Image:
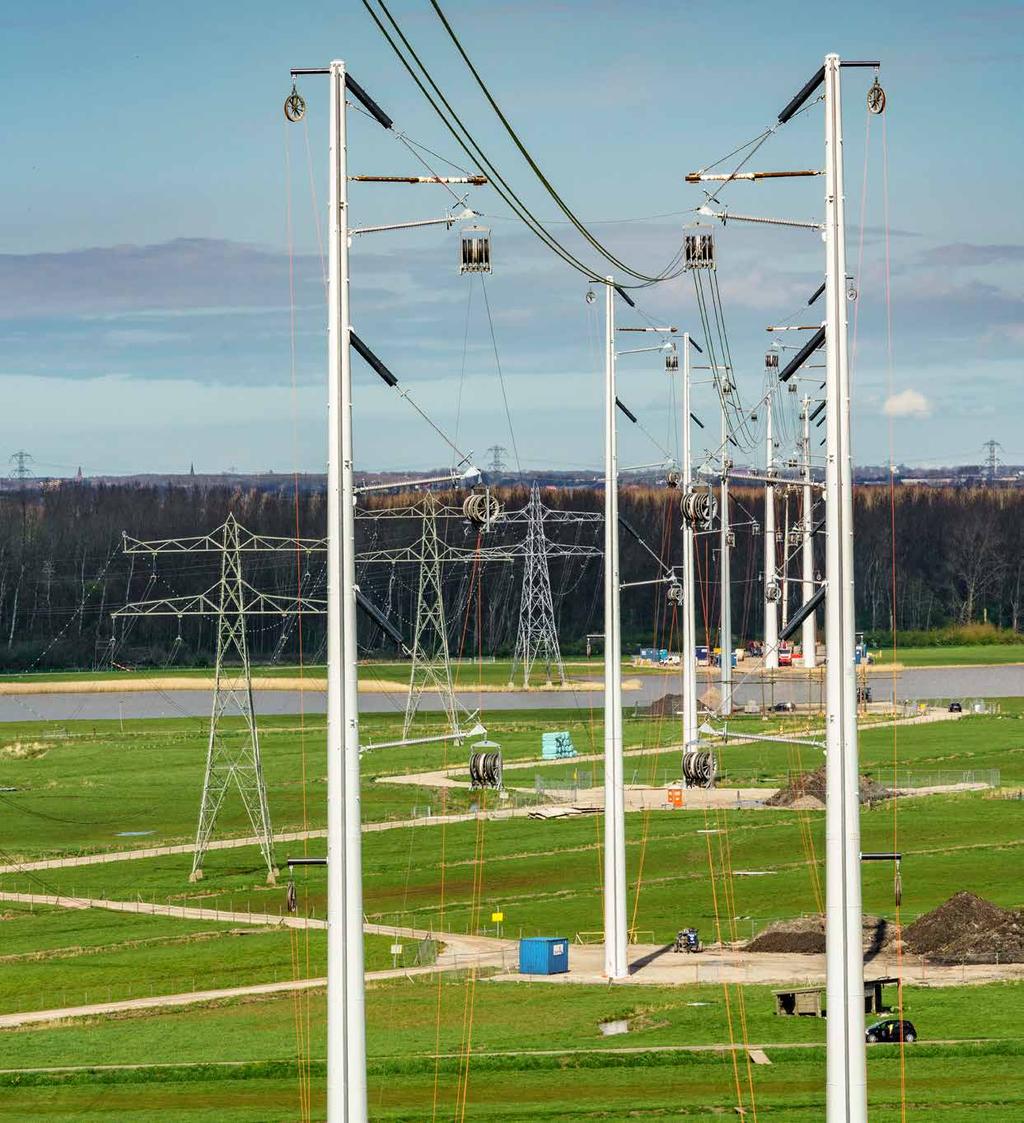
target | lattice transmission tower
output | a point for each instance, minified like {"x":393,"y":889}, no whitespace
{"x":233,"y":758}
{"x":430,"y":653}
{"x":992,"y":450}
{"x":537,"y":639}
{"x":431,"y":657}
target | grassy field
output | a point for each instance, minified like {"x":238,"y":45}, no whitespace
{"x":536,"y":1052}
{"x":980,"y":655}
{"x":55,"y":957}
{"x":469,"y":673}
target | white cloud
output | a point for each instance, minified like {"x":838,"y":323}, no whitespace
{"x":907,"y":403}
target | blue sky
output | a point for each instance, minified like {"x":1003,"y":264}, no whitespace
{"x":145,"y":315}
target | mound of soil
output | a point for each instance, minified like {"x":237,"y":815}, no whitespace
{"x":811,"y":786}
{"x":806,"y":936}
{"x":803,"y":936}
{"x":668,"y":705}
{"x":968,"y":929}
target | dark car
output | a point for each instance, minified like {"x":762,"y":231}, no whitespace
{"x":955,"y":708}
{"x":784,"y":707}
{"x":891,"y":1029}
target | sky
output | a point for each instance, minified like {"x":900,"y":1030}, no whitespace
{"x":161,"y":226}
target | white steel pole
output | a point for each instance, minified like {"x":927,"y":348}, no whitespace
{"x":689,"y":656}
{"x":725,"y":579}
{"x":615,"y":965}
{"x":846,"y":1077}
{"x":784,"y":575}
{"x":771,"y":607}
{"x":809,"y":634}
{"x":346,"y":1032}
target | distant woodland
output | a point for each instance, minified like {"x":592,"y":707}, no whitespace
{"x":933,"y":559}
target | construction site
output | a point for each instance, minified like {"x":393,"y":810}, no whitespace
{"x":568,"y":728}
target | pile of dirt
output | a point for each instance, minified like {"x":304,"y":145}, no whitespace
{"x":968,"y":929}
{"x":808,"y":791}
{"x":668,"y":705}
{"x":805,"y":935}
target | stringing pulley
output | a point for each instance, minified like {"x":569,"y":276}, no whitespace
{"x":876,"y":98}
{"x":294,"y":105}
{"x":292,"y":897}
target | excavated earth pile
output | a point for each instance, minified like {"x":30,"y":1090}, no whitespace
{"x":808,"y":791}
{"x":968,"y":929}
{"x":805,"y":935}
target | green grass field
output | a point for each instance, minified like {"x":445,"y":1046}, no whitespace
{"x":981,"y":655}
{"x":536,"y":1052}
{"x":498,"y":672}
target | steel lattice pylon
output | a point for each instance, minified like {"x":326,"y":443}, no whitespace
{"x":232,"y":758}
{"x":431,"y":659}
{"x":537,"y":640}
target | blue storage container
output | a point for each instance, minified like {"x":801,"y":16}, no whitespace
{"x":544,"y":955}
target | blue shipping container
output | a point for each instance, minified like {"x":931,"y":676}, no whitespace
{"x":544,"y":955}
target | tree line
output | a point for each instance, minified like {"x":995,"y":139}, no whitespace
{"x":925,"y":559}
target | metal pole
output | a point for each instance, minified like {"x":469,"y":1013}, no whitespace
{"x":846,"y":1077}
{"x":689,"y":656}
{"x":771,"y":606}
{"x":808,"y":635}
{"x":346,"y":1030}
{"x":784,"y":575}
{"x":615,"y":965}
{"x":725,"y":579}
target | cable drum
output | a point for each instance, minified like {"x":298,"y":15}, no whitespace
{"x":481,"y":508}
{"x":699,"y":769}
{"x":699,"y":507}
{"x":485,"y":770}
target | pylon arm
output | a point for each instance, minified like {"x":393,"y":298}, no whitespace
{"x":208,"y":604}
{"x":211,"y":543}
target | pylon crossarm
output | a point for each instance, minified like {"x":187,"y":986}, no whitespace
{"x":207,"y":604}
{"x":248,"y":542}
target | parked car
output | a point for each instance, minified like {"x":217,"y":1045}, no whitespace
{"x":891,"y":1029}
{"x":955,"y":708}
{"x":784,"y":708}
